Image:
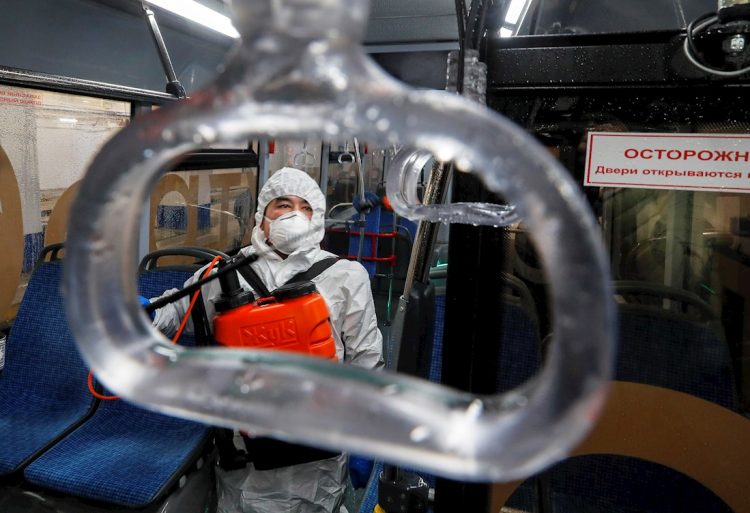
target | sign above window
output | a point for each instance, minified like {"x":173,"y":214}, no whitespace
{"x":694,"y":162}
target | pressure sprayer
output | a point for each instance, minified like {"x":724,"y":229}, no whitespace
{"x":293,"y":317}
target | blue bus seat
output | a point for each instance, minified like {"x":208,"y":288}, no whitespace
{"x":671,"y":338}
{"x":154,"y":280}
{"x":382,"y":258}
{"x":673,"y":351}
{"x":521,"y":347}
{"x":153,"y":283}
{"x":621,"y":484}
{"x":681,"y":349}
{"x":122,"y":455}
{"x":521,"y":356}
{"x":436,"y":361}
{"x":370,"y":497}
{"x":43,"y":392}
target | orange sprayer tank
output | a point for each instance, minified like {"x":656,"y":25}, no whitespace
{"x":295,"y":318}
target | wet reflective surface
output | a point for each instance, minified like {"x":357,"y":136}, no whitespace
{"x":300,"y":74}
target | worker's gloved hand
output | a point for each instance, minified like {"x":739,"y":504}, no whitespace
{"x":145,"y":302}
{"x":370,"y":201}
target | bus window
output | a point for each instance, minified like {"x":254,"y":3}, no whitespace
{"x":304,"y":155}
{"x":49,"y":139}
{"x":212,"y":209}
{"x":679,"y":261}
{"x":666,"y":239}
{"x":343,"y":173}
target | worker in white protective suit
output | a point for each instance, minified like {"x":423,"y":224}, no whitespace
{"x":287,"y":235}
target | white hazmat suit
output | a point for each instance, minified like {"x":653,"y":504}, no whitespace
{"x":318,"y":486}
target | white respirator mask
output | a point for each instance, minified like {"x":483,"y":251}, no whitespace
{"x":289,"y":232}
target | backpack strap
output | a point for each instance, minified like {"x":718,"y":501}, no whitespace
{"x":314,"y":271}
{"x":201,"y":326}
{"x":254,"y":280}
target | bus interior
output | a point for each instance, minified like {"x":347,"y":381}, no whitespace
{"x":608,"y":89}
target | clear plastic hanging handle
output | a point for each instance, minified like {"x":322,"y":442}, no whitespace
{"x":401,"y":186}
{"x":300,"y":73}
{"x":346,"y":157}
{"x":304,"y":159}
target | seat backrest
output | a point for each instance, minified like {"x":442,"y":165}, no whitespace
{"x":42,"y":359}
{"x":370,"y":496}
{"x":436,"y":362}
{"x":40,"y":344}
{"x":44,"y":379}
{"x":670,"y":350}
{"x":521,"y":349}
{"x":616,"y":484}
{"x":665,"y":348}
{"x":671,"y":338}
{"x":153,"y":283}
{"x":154,"y":280}
{"x":519,"y":360}
{"x":121,"y":454}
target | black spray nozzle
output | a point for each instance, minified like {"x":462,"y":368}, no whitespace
{"x":232,"y":293}
{"x":227,"y":268}
{"x":230,"y":283}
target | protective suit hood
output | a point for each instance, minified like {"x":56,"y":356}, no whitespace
{"x":289,"y":181}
